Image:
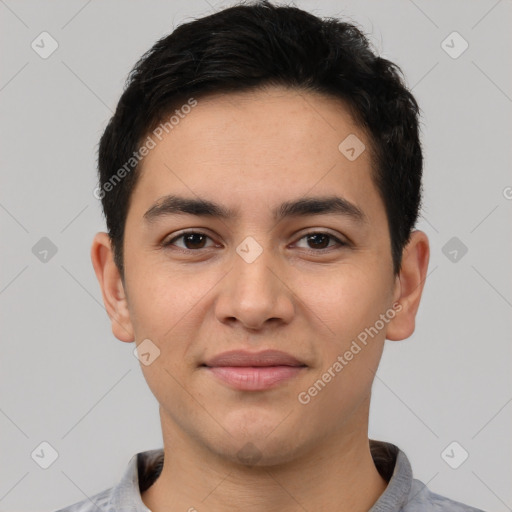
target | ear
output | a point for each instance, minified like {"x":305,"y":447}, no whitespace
{"x":409,"y":286}
{"x":112,"y":288}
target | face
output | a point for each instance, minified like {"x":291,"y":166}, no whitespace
{"x":308,"y":283}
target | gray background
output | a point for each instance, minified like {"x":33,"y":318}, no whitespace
{"x":65,"y":379}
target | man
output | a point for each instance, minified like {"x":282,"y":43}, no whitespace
{"x":290,"y":154}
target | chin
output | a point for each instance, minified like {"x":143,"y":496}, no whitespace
{"x":260,"y":443}
{"x":250,"y":423}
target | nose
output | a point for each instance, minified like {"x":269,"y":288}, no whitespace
{"x":255,"y":294}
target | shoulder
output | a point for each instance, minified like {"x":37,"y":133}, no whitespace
{"x":422,"y":499}
{"x":141,"y":472}
{"x":99,"y":502}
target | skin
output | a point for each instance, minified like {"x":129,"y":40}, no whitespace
{"x":253,"y":151}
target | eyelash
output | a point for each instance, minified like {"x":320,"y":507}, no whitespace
{"x":316,"y":251}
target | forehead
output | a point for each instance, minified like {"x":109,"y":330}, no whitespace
{"x":271,"y":116}
{"x":259,"y":147}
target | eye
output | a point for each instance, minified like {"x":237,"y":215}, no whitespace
{"x":320,"y":241}
{"x":193,"y":240}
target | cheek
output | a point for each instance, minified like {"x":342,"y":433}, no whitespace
{"x":162,"y":300}
{"x":346,"y":300}
{"x":170,"y":310}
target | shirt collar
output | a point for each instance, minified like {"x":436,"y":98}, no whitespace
{"x":397,"y":492}
{"x":144,"y":468}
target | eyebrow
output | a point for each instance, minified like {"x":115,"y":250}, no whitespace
{"x":178,"y":205}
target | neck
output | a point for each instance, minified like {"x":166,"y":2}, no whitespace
{"x":338,"y":475}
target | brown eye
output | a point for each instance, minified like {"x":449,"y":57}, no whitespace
{"x":318,"y":241}
{"x":192,"y":240}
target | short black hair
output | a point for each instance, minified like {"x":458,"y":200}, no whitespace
{"x":250,"y":46}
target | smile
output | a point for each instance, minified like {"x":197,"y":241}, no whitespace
{"x":254,"y":378}
{"x":250,"y":371}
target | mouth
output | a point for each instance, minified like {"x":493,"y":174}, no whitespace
{"x":249,"y":371}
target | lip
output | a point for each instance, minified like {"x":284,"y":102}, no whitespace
{"x":254,"y":371}
{"x":262,"y":358}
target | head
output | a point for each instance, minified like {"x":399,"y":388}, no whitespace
{"x":292,"y":152}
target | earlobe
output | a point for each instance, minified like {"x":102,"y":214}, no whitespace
{"x":413,"y":272}
{"x":112,"y":289}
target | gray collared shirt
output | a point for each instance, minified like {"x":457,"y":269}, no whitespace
{"x":403,"y":493}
